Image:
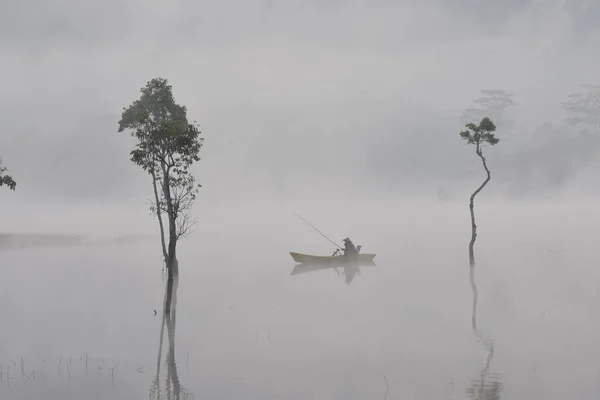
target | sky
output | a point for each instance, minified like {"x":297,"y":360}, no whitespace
{"x":348,"y":93}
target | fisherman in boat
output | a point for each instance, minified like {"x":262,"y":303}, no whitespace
{"x":349,"y":248}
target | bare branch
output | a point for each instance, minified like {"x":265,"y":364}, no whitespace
{"x":186,"y":224}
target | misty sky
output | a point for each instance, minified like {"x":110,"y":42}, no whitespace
{"x":285,"y":91}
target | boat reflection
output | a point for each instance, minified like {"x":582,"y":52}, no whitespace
{"x":172,"y":387}
{"x":487,"y":386}
{"x":348,"y":269}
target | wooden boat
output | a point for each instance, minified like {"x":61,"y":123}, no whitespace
{"x":338,"y":260}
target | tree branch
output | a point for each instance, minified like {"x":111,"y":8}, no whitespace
{"x":6,"y":180}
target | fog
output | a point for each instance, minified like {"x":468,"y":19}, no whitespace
{"x":248,"y":328}
{"x":347,"y":90}
{"x":347,"y":113}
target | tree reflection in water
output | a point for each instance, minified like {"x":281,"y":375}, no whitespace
{"x":488,"y":386}
{"x":172,"y":386}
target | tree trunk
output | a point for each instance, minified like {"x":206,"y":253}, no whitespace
{"x":172,"y":267}
{"x":171,"y":279}
{"x":172,"y":264}
{"x":472,"y":207}
{"x":175,"y":269}
{"x":170,"y":215}
{"x":475,"y":295}
{"x":160,"y":221}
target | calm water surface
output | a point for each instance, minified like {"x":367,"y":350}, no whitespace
{"x":83,"y":318}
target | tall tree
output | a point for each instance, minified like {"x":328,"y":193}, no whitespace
{"x":479,"y":135}
{"x":6,"y":180}
{"x":586,"y":105}
{"x":493,"y":103}
{"x":167,"y":146}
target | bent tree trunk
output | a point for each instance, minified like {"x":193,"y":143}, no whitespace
{"x":475,"y":292}
{"x":472,"y":207}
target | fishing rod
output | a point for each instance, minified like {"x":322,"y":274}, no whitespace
{"x":321,"y":233}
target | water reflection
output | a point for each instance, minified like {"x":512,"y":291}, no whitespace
{"x":349,"y":270}
{"x":487,"y":386}
{"x":172,"y":389}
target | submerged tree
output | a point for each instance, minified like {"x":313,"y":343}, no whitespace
{"x":587,"y":105}
{"x":480,"y":136}
{"x":6,"y":180}
{"x":493,"y":103}
{"x":167,"y":146}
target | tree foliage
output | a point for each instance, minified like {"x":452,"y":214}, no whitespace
{"x":586,"y":105}
{"x":6,"y":180}
{"x":167,"y":145}
{"x":481,"y":134}
{"x":494,"y":103}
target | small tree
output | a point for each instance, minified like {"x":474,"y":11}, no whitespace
{"x":167,"y":146}
{"x":6,"y":180}
{"x":480,"y":136}
{"x":587,"y":105}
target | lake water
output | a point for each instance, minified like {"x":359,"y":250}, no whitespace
{"x":83,"y":318}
